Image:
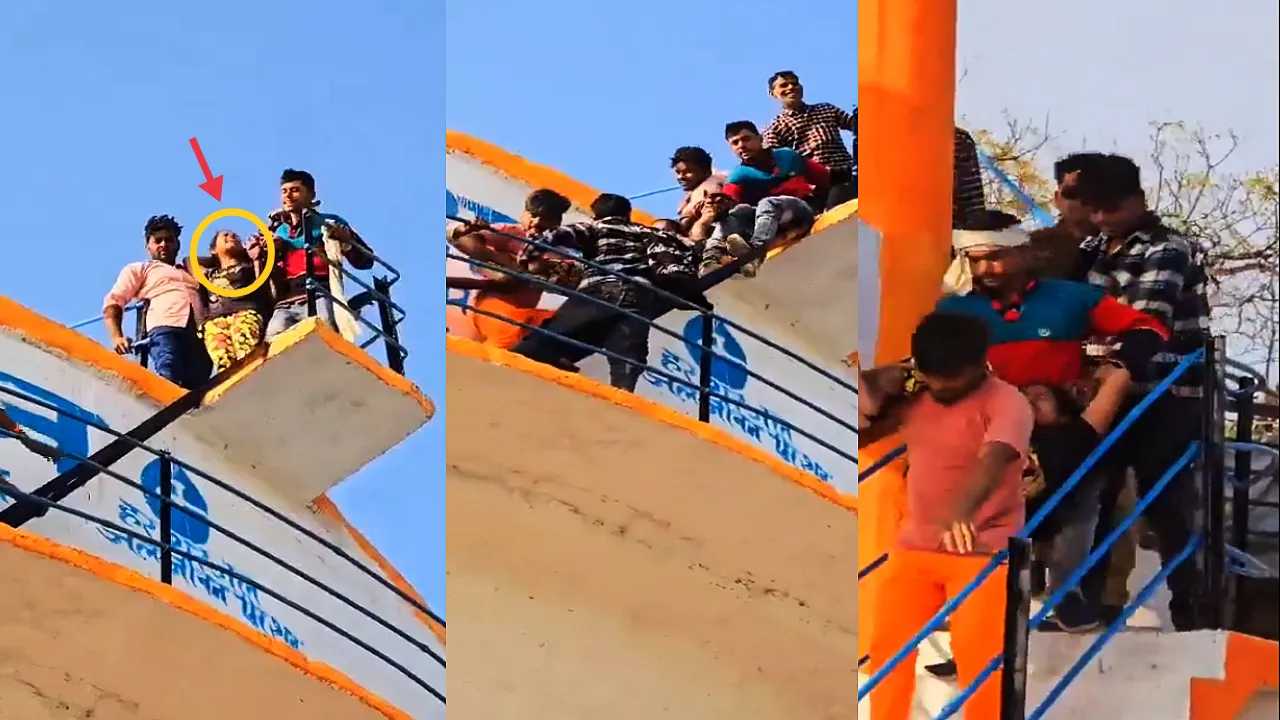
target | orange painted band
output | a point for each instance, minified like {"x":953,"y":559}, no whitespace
{"x":656,"y":411}
{"x":127,"y":577}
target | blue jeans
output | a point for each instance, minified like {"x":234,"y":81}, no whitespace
{"x":177,"y":355}
{"x":286,"y":316}
{"x":779,"y":210}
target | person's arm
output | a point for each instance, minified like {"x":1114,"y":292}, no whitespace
{"x":994,"y":459}
{"x":1007,"y":441}
{"x":882,"y":402}
{"x":355,"y":250}
{"x":734,"y":191}
{"x":1140,"y":334}
{"x":1157,"y":290}
{"x":126,"y":288}
{"x":578,"y":238}
{"x":818,"y":176}
{"x":1111,"y":396}
{"x":45,"y":451}
{"x":704,"y":223}
{"x":846,"y":120}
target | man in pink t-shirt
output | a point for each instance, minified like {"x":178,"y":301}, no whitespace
{"x":173,"y":307}
{"x":692,"y":168}
{"x":967,"y":434}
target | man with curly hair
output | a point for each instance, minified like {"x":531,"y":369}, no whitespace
{"x":173,"y":307}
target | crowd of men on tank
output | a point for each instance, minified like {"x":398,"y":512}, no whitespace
{"x":1042,"y":342}
{"x":723,"y":224}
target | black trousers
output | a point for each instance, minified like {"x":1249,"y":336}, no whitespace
{"x":1150,"y":447}
{"x":601,"y":327}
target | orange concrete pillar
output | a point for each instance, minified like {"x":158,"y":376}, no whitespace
{"x":906,"y":135}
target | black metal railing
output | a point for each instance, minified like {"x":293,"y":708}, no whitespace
{"x":390,"y":314}
{"x":168,"y":547}
{"x":375,"y":292}
{"x":667,"y":301}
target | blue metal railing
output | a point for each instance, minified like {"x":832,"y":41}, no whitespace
{"x":1118,"y":624}
{"x":1032,"y":523}
{"x":1078,"y":574}
{"x":883,"y":462}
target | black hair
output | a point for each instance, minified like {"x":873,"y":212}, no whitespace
{"x":544,"y":203}
{"x":1075,"y":162}
{"x":608,"y":205}
{"x":691,"y":155}
{"x":156,"y":223}
{"x":738,"y":126}
{"x":988,"y":220}
{"x":290,"y":175}
{"x":1110,"y":180}
{"x":213,"y":241}
{"x":948,"y":344}
{"x":788,"y":74}
{"x":1067,"y":404}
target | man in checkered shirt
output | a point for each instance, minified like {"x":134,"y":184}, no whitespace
{"x":1144,"y":264}
{"x":814,"y":132}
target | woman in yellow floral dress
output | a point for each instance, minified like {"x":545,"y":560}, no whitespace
{"x":233,"y":326}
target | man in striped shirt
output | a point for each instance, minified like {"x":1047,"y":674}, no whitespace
{"x":1150,"y":267}
{"x":627,"y":260}
{"x":814,"y":132}
{"x":1057,"y":248}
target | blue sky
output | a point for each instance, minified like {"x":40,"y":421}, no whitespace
{"x":605,"y":92}
{"x":99,"y":105}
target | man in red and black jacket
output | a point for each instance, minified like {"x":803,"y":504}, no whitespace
{"x":772,"y":187}
{"x":1038,"y":326}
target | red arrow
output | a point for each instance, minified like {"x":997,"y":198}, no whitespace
{"x":211,"y":184}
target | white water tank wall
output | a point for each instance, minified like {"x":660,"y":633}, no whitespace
{"x":84,"y":390}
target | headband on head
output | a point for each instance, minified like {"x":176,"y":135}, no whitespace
{"x":958,"y":280}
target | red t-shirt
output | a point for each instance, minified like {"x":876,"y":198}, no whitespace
{"x":943,"y":446}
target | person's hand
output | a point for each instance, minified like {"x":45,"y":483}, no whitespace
{"x":342,"y":233}
{"x":257,"y":247}
{"x":1033,"y":479}
{"x":961,"y":538}
{"x":1110,"y":372}
{"x":121,"y":345}
{"x":708,"y":212}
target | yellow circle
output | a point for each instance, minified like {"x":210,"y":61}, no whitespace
{"x":267,"y":236}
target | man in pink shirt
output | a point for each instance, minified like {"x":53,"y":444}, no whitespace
{"x":692,"y":168}
{"x":968,"y":434}
{"x":173,"y":307}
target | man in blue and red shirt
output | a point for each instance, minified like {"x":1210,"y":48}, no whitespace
{"x":779,"y":185}
{"x":1038,"y":326}
{"x":298,"y":225}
